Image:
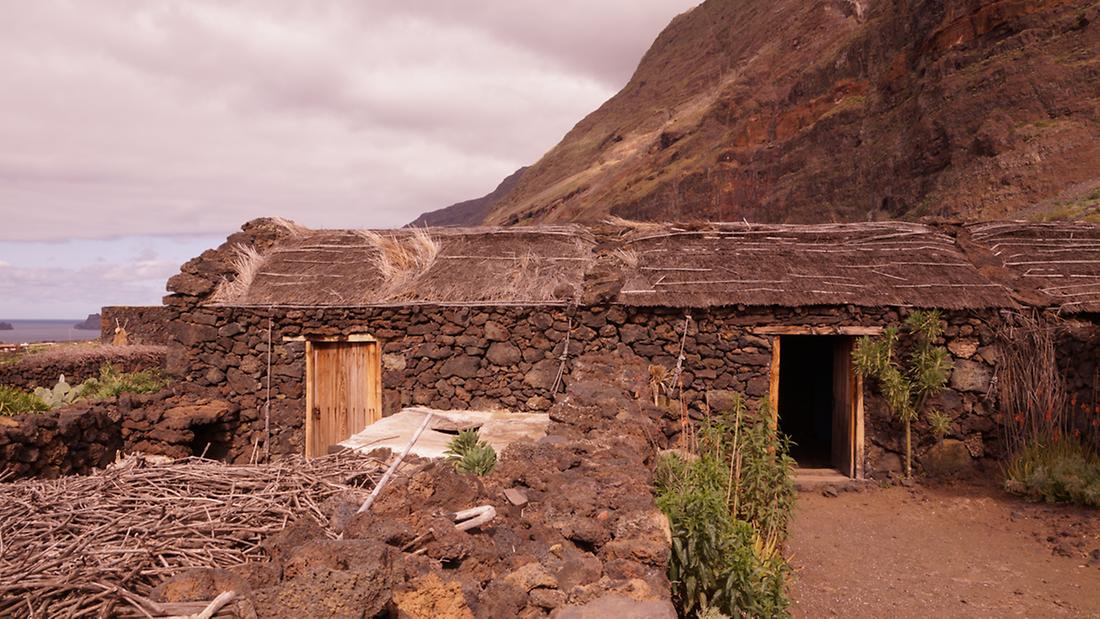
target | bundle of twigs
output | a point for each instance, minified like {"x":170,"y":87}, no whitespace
{"x":70,"y":547}
{"x":1031,"y":388}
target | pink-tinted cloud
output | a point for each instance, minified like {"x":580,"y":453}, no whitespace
{"x":182,"y":117}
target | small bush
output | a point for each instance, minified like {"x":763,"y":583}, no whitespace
{"x":471,"y":455}
{"x":17,"y":402}
{"x":111,"y":383}
{"x":728,"y":507}
{"x":1055,"y":471}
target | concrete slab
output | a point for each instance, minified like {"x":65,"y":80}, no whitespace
{"x":499,"y":429}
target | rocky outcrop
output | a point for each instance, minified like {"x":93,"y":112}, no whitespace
{"x":91,"y":323}
{"x":840,"y":110}
{"x":6,"y":326}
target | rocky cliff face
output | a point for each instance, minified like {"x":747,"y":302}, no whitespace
{"x":840,"y":110}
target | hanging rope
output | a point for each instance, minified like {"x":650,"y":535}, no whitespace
{"x":563,"y":358}
{"x":267,"y":403}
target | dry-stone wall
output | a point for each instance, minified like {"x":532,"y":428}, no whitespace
{"x":58,"y":443}
{"x":143,"y":324}
{"x":78,"y":364}
{"x":511,"y":358}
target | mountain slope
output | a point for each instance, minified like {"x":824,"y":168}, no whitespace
{"x":470,"y":212}
{"x":840,"y":110}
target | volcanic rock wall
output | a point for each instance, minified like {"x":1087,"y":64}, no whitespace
{"x":78,"y":364}
{"x":58,"y":443}
{"x":143,"y":324}
{"x":510,"y":358}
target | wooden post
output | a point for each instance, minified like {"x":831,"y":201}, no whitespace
{"x":773,"y":383}
{"x":309,"y":400}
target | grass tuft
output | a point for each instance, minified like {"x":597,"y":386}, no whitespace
{"x":1055,"y":471}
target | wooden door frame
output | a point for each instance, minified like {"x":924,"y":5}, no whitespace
{"x":856,"y":428}
{"x":310,"y":341}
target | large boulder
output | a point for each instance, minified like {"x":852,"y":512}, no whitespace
{"x":971,"y":376}
{"x":948,"y":458}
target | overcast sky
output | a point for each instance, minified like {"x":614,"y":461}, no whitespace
{"x":137,"y":132}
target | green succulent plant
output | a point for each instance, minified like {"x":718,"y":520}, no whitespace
{"x":471,"y":455}
{"x":62,"y":394}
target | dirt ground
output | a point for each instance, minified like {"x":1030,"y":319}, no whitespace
{"x":942,"y":551}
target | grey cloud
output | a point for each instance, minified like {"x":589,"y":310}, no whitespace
{"x":177,"y":117}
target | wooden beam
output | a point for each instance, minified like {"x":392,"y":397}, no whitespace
{"x":354,"y":337}
{"x":804,"y":330}
{"x":773,"y":383}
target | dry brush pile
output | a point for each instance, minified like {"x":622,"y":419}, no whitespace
{"x":79,"y":546}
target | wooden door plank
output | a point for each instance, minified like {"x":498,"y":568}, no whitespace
{"x":842,"y":407}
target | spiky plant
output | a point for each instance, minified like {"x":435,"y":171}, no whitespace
{"x":478,"y":461}
{"x":469,"y":454}
{"x":906,"y":388}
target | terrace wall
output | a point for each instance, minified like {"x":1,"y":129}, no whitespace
{"x":510,"y":357}
{"x":78,"y":363}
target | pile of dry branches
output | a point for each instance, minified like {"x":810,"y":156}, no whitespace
{"x":82,"y":546}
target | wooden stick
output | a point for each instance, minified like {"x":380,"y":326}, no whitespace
{"x":393,"y":467}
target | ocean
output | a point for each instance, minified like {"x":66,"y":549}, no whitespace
{"x":30,"y":331}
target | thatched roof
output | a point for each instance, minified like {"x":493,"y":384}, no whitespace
{"x":349,"y":268}
{"x":1058,"y":261}
{"x":870,"y":264}
{"x":705,"y":265}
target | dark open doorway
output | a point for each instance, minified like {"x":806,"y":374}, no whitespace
{"x":816,"y":400}
{"x":806,"y":398}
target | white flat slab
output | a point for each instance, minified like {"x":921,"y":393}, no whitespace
{"x":498,"y":428}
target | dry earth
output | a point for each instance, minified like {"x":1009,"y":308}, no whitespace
{"x":949,"y":551}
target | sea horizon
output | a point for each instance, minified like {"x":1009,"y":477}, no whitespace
{"x":32,"y":331}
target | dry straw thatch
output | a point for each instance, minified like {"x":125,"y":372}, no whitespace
{"x":246,"y":263}
{"x":400,"y":260}
{"x":874,"y":264}
{"x":1060,"y":260}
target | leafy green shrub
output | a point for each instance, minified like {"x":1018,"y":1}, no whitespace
{"x":111,"y":383}
{"x":907,"y":388}
{"x":1055,"y":471}
{"x":469,"y":454}
{"x":728,"y":506}
{"x":17,"y":402}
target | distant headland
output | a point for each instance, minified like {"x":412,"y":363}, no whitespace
{"x":91,"y":323}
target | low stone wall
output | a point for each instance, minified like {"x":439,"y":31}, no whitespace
{"x":143,"y":324}
{"x":58,"y":443}
{"x":78,"y":363}
{"x":510,"y":357}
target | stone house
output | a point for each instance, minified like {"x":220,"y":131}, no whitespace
{"x":312,"y":334}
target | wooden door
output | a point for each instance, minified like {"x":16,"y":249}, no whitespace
{"x":344,"y":392}
{"x":843,"y":408}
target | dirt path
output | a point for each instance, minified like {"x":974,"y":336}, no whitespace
{"x":960,"y":551}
